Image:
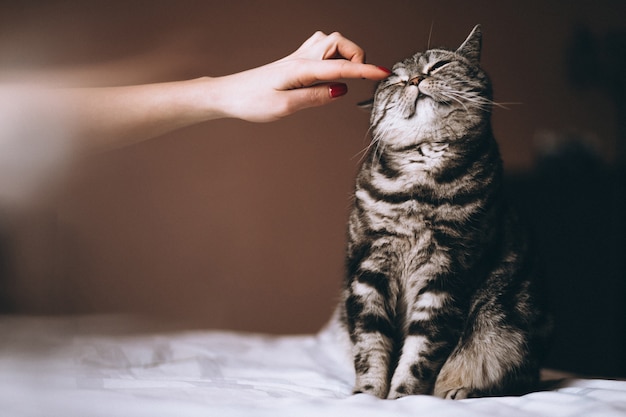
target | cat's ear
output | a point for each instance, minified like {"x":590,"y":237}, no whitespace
{"x":366,"y":105}
{"x":470,"y":49}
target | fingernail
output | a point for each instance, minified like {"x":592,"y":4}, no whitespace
{"x":387,"y":70}
{"x":337,"y":90}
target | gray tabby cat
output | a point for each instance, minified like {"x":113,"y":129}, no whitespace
{"x":440,"y":295}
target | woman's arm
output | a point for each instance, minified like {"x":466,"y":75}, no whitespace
{"x":117,"y":116}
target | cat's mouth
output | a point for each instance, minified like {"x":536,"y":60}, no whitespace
{"x":421,"y":95}
{"x":418,"y":84}
{"x":412,"y":95}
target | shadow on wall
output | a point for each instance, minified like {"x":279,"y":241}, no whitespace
{"x":5,"y":299}
{"x":577,"y":206}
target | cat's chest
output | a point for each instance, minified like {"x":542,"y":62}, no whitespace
{"x":404,"y":234}
{"x":397,"y":170}
{"x":406,"y":218}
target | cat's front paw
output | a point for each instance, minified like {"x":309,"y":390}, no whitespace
{"x":456,"y":394}
{"x":399,"y":392}
{"x":408,"y":387}
{"x":376,"y":390}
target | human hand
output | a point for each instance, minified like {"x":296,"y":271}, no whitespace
{"x":300,"y":80}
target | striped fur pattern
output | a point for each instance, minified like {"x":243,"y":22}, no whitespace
{"x":439,"y":296}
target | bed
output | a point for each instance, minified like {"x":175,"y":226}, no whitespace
{"x":124,"y":366}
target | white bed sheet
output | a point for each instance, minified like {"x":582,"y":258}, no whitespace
{"x":118,"y":367}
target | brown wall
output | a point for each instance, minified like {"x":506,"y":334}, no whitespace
{"x":238,"y":225}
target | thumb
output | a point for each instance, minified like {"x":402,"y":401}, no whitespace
{"x":337,"y":90}
{"x":317,"y":95}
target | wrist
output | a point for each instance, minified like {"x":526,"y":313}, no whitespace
{"x":211,"y":98}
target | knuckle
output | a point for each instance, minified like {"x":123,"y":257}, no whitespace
{"x":318,"y":35}
{"x":310,"y":97}
{"x":317,"y":95}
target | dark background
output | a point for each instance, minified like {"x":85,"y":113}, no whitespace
{"x":237,"y":225}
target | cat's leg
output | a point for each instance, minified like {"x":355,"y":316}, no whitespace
{"x":372,"y":357}
{"x":486,"y":365}
{"x":431,"y":327}
{"x":371,"y":329}
{"x":492,"y":358}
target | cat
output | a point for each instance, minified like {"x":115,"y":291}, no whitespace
{"x":441,"y":291}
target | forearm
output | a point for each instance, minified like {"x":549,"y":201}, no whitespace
{"x":111,"y":117}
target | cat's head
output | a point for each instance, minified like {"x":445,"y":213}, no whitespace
{"x":433,"y":95}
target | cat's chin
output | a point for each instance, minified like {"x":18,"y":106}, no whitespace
{"x":426,"y":117}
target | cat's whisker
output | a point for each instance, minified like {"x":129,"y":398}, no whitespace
{"x":363,"y":152}
{"x":430,"y":33}
{"x":471,"y":98}
{"x":456,"y":99}
{"x":380,"y":144}
{"x":504,"y":104}
{"x":476,"y":99}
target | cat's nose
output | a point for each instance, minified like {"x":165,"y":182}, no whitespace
{"x":416,"y":80}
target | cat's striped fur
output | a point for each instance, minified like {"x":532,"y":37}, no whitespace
{"x":439,"y":296}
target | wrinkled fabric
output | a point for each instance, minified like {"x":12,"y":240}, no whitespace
{"x":116,"y":366}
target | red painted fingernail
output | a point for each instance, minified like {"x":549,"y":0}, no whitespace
{"x":337,"y":90}
{"x":387,"y":70}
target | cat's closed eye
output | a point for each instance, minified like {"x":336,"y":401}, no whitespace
{"x":397,"y":80}
{"x":437,"y":65}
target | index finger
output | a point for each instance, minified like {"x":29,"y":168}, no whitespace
{"x":336,"y":69}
